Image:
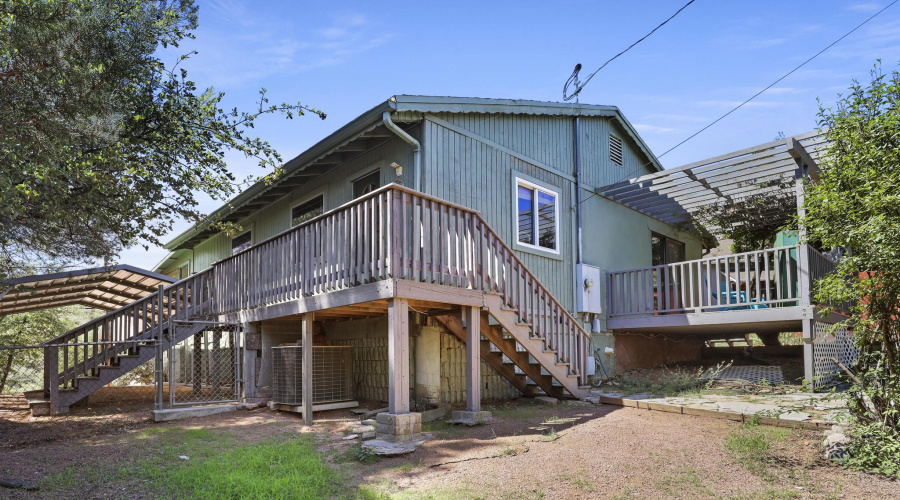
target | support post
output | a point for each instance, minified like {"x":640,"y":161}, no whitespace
{"x":197,"y":368}
{"x":808,"y":353}
{"x":159,"y":354}
{"x":473,"y":358}
{"x":805,"y":284}
{"x":306,"y":331}
{"x":51,"y":367}
{"x":398,"y":356}
{"x":252,"y":354}
{"x":158,"y":400}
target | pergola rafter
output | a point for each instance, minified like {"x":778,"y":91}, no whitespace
{"x":736,"y":180}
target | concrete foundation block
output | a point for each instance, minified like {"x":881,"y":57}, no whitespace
{"x":182,"y":413}
{"x":471,"y":418}
{"x":399,"y":428}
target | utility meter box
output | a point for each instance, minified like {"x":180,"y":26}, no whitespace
{"x":589,"y":283}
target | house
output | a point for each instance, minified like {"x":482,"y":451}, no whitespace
{"x":465,"y":249}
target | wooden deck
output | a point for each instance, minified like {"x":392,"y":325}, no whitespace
{"x":383,"y":253}
{"x":765,"y":291}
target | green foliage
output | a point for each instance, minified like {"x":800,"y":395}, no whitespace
{"x":22,"y":369}
{"x":358,"y":453}
{"x":102,"y":144}
{"x":854,"y":206}
{"x":741,"y":223}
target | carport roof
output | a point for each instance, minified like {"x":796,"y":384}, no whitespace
{"x":677,"y":195}
{"x":105,"y":288}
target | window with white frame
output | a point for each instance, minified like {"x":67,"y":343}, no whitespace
{"x":537,"y":216}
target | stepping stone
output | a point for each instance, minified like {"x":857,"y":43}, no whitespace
{"x":546,"y":400}
{"x":362,"y":429}
{"x":796,"y":416}
{"x":387,"y":448}
{"x":351,"y":436}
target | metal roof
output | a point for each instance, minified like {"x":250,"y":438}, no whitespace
{"x":367,"y":130}
{"x":106,"y":288}
{"x":677,"y":195}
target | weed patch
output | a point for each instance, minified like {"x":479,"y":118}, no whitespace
{"x":752,"y":446}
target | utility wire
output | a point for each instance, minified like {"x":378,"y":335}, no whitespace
{"x":754,"y":96}
{"x":574,"y":77}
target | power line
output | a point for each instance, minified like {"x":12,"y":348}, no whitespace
{"x":574,"y":77}
{"x":754,"y":96}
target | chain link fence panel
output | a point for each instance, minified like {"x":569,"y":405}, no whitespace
{"x":104,"y":387}
{"x":204,"y":367}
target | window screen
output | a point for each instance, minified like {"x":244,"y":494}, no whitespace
{"x":308,"y":210}
{"x":241,"y":242}
{"x":366,"y":184}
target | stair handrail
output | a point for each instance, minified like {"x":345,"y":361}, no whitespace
{"x":78,"y":353}
{"x":576,"y":357}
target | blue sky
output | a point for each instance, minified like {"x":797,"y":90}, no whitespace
{"x":346,"y":57}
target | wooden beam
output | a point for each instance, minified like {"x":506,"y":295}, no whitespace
{"x":473,"y":358}
{"x":356,"y":295}
{"x":398,"y":356}
{"x":306,"y":331}
{"x":438,"y":293}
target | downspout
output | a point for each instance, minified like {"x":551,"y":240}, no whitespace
{"x":417,"y":148}
{"x":578,"y":254}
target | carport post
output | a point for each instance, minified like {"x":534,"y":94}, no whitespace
{"x":306,"y":394}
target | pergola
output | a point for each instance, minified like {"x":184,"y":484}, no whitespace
{"x":676,"y":196}
{"x":105,"y":288}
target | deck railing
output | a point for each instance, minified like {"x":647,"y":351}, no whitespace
{"x":750,"y":280}
{"x":820,"y":265}
{"x":395,"y":232}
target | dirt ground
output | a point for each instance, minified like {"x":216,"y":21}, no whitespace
{"x":529,"y":451}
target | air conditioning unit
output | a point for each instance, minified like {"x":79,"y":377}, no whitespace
{"x":332,"y":374}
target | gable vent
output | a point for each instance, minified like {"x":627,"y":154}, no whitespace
{"x":615,"y":150}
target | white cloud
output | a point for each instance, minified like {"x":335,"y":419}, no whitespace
{"x":864,"y":7}
{"x":653,"y":129}
{"x":258,"y":47}
{"x":730,"y":104}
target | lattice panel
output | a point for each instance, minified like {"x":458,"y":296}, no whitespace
{"x":837,"y":344}
{"x":332,"y":374}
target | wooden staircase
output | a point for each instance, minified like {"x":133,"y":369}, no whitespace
{"x":508,"y":346}
{"x":117,"y":361}
{"x":96,"y":353}
{"x":393,"y":233}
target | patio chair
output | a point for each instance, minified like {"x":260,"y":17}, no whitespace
{"x":730,"y":296}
